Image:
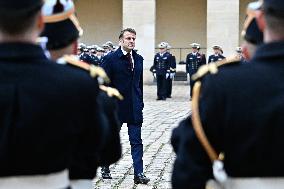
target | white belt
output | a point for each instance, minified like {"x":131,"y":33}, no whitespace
{"x":51,"y":181}
{"x":81,"y":184}
{"x":255,"y":183}
{"x":248,"y":183}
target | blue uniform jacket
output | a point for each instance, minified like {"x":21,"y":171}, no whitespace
{"x":129,"y":83}
{"x":193,"y":62}
{"x":162,"y":64}
{"x":214,"y":58}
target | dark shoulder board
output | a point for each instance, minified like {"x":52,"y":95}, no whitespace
{"x":95,"y":71}
{"x":111,"y":92}
{"x":212,"y":68}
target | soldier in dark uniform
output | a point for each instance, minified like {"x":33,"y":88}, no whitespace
{"x":63,"y":35}
{"x":80,"y":48}
{"x":161,"y":70}
{"x":172,"y":73}
{"x":99,"y":56}
{"x":203,"y":61}
{"x":193,"y":61}
{"x":48,"y":111}
{"x":252,"y":142}
{"x":217,"y":56}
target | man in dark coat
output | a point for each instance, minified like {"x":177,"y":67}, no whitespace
{"x":48,"y":111}
{"x":125,"y":70}
{"x":252,"y":142}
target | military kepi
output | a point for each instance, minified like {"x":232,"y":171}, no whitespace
{"x":253,"y":33}
{"x":18,"y":5}
{"x":274,"y":7}
{"x":61,"y":25}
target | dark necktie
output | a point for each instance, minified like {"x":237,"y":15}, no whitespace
{"x":130,"y":63}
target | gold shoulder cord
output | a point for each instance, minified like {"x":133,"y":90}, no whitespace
{"x":211,"y":68}
{"x":197,"y":125}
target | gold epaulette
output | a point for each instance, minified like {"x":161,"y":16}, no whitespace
{"x":111,"y":92}
{"x":212,"y":68}
{"x":229,"y":60}
{"x":95,"y":71}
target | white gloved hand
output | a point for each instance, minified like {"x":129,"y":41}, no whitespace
{"x":167,"y":75}
{"x":188,"y":76}
{"x":155,"y":76}
{"x":172,"y":75}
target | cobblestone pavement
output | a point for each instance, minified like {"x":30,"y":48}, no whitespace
{"x":160,"y":117}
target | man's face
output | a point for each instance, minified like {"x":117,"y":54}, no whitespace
{"x":162,"y":50}
{"x":194,"y":50}
{"x":216,"y":51}
{"x":128,"y":41}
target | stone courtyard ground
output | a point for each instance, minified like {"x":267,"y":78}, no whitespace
{"x":160,"y":117}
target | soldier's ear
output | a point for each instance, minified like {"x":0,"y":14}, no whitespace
{"x":246,"y":53}
{"x":260,"y":19}
{"x":40,"y":23}
{"x":75,"y":47}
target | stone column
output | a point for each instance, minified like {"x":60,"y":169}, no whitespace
{"x":141,"y":15}
{"x":223,"y":25}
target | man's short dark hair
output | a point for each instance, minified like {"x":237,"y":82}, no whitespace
{"x":130,"y":30}
{"x":275,"y":23}
{"x":17,"y":21}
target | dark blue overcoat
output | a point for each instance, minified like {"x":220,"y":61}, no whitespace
{"x":129,"y":83}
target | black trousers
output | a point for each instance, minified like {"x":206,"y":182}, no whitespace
{"x":161,"y":86}
{"x":169,"y":86}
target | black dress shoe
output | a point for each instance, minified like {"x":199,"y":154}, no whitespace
{"x":141,"y":179}
{"x":164,"y":98}
{"x":169,"y":96}
{"x":159,"y":98}
{"x":106,"y":173}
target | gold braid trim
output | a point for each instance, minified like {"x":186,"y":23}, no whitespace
{"x":58,"y":17}
{"x":95,"y":71}
{"x":111,"y":92}
{"x":211,"y":68}
{"x":197,"y":125}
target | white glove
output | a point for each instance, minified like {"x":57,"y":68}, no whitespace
{"x":172,"y":75}
{"x":167,"y":75}
{"x":155,"y":76}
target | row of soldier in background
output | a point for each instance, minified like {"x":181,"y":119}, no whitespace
{"x":164,"y":66}
{"x":195,"y":59}
{"x":93,"y":54}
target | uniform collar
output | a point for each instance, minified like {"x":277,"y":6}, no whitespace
{"x":18,"y":50}
{"x":270,"y":50}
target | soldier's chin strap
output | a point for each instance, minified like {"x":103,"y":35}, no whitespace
{"x":217,"y":160}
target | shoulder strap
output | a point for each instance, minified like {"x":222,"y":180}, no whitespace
{"x":95,"y":71}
